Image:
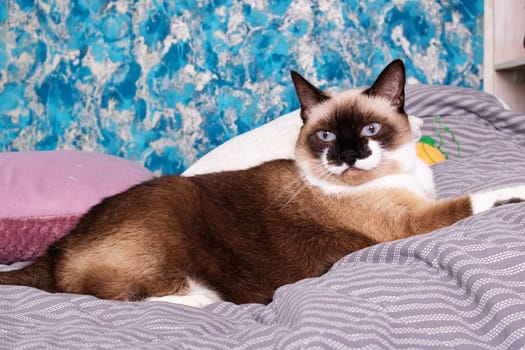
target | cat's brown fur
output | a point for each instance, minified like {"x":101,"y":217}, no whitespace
{"x":245,"y":233}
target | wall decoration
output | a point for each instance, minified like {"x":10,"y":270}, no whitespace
{"x":163,"y":82}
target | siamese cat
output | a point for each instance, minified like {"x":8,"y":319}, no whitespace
{"x":239,"y":235}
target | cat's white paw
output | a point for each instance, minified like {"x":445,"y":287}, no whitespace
{"x":485,"y":200}
{"x":188,"y":300}
{"x":197,"y":296}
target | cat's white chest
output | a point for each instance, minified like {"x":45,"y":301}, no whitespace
{"x":419,"y":181}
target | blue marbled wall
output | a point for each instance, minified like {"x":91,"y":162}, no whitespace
{"x":163,"y":82}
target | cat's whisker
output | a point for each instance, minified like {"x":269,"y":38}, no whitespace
{"x":283,"y":192}
{"x":300,"y":189}
{"x":295,"y":188}
{"x":323,"y":174}
{"x":291,"y":190}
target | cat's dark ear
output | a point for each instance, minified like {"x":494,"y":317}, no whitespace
{"x":308,"y":95}
{"x":390,"y":84}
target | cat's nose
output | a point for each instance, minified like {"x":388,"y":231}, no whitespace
{"x":348,"y":157}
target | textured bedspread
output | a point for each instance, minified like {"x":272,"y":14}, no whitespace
{"x":460,"y":287}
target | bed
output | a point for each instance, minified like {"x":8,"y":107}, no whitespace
{"x":459,"y":287}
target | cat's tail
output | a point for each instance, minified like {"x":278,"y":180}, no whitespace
{"x":38,"y":275}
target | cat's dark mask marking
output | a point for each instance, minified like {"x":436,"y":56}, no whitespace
{"x":350,"y":145}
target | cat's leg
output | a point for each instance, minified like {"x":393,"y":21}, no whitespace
{"x":119,"y":273}
{"x":426,"y":218}
{"x":108,"y":282}
{"x":197,"y":295}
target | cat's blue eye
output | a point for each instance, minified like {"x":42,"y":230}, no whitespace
{"x":371,"y":129}
{"x":326,"y":136}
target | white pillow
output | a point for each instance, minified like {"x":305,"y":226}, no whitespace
{"x":273,"y":140}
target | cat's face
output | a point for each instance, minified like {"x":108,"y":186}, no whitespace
{"x":356,"y":136}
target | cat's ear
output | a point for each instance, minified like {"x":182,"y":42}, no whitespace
{"x":390,"y":84}
{"x":308,"y":95}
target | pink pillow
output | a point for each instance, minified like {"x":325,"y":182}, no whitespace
{"x":43,"y":194}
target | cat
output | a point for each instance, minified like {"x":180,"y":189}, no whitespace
{"x":239,"y":235}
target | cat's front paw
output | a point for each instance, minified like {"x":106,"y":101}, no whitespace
{"x":485,"y":200}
